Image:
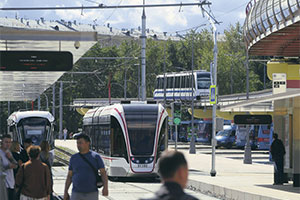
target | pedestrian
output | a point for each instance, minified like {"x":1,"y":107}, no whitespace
{"x":65,"y":133}
{"x":33,"y":177}
{"x":23,"y":154}
{"x":82,"y":169}
{"x":277,"y":151}
{"x":9,"y":164}
{"x":15,"y":150}
{"x":3,"y":191}
{"x":47,"y":158}
{"x":173,"y":169}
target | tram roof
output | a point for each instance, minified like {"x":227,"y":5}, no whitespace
{"x":17,"y":116}
{"x":181,"y":73}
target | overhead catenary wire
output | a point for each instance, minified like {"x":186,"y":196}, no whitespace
{"x":102,"y":6}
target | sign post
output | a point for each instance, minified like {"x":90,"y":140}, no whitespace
{"x":176,"y":113}
{"x":212,"y":94}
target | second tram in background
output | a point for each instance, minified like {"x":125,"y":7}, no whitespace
{"x":129,"y":137}
{"x":35,"y":125}
{"x":179,"y":85}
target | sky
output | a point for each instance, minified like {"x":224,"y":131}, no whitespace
{"x":165,"y":19}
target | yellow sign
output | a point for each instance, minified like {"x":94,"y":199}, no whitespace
{"x":213,"y":94}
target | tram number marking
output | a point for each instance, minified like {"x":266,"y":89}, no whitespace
{"x":142,"y":165}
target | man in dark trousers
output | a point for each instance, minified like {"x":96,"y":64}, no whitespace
{"x":173,"y":170}
{"x":277,"y":151}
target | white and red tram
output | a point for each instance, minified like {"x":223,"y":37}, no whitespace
{"x":129,"y":137}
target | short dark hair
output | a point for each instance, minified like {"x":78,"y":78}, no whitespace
{"x":28,"y":141}
{"x":6,"y":136}
{"x":84,"y":136}
{"x":170,"y":162}
{"x":275,"y":135}
{"x":34,"y":151}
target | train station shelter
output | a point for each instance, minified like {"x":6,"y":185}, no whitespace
{"x":28,"y":85}
{"x":272,"y":28}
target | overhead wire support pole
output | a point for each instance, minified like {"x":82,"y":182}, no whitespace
{"x":143,"y":54}
{"x":215,"y":65}
{"x":102,"y":6}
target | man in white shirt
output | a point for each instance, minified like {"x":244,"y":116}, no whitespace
{"x":9,"y":164}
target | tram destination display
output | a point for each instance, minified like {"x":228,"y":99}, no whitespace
{"x":36,"y":61}
{"x":252,"y":119}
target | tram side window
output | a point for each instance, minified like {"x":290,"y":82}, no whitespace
{"x":177,"y":82}
{"x":180,"y":82}
{"x":170,"y":82}
{"x":103,"y":139}
{"x":118,"y":146}
{"x":94,"y":136}
{"x":184,"y":82}
{"x":161,"y":83}
{"x":161,"y":140}
{"x":157,"y":83}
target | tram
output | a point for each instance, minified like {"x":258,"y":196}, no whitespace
{"x":129,"y":137}
{"x":36,"y":125}
{"x":179,"y":85}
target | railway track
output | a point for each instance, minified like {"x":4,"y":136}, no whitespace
{"x":62,"y":156}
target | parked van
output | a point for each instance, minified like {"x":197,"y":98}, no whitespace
{"x":226,"y":137}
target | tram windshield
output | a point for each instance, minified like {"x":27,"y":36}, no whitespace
{"x":203,"y":80}
{"x":35,"y":128}
{"x":141,"y":126}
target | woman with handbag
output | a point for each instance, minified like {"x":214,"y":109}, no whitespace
{"x":34,"y":177}
{"x":47,"y":158}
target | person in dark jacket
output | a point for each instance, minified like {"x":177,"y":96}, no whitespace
{"x":23,"y":154}
{"x":277,"y":151}
{"x":173,"y":170}
{"x":33,"y":177}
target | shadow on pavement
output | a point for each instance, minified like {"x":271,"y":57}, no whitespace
{"x":135,"y":179}
{"x":287,"y":187}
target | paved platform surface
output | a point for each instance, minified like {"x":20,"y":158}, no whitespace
{"x":234,"y":180}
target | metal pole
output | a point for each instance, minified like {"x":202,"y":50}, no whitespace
{"x":215,"y":66}
{"x":231,"y":79}
{"x":143,"y":54}
{"x":139,"y":84}
{"x":47,"y":105}
{"x":247,"y":153}
{"x":53,"y":100}
{"x":8,"y":113}
{"x":125,"y":84}
{"x":247,"y":78}
{"x":192,"y":143}
{"x":264,"y":76}
{"x":39,"y":102}
{"x":176,"y":136}
{"x":165,"y":99}
{"x":60,"y":109}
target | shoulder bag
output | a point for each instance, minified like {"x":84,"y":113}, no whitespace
{"x":98,"y":178}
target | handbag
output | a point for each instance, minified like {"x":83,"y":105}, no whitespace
{"x":18,"y":193}
{"x":99,"y":182}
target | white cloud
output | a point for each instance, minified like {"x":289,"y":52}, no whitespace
{"x":2,"y":4}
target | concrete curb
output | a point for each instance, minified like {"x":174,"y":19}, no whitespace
{"x":223,"y":192}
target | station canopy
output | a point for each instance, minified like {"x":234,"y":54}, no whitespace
{"x":28,"y":85}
